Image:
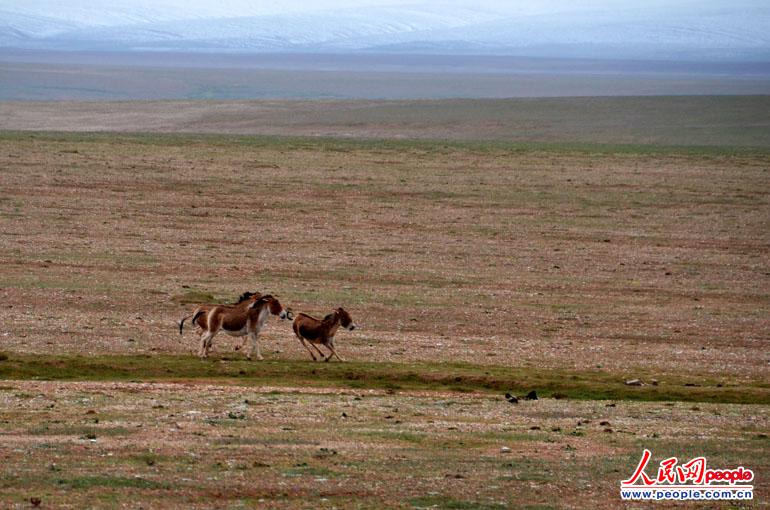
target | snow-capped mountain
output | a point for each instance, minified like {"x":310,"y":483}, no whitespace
{"x":654,"y":29}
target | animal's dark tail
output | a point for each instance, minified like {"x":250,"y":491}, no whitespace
{"x":181,"y":323}
{"x":194,"y":318}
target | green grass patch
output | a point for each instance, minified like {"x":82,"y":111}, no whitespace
{"x":395,"y":435}
{"x":147,"y":459}
{"x":306,"y":470}
{"x":103,"y":481}
{"x":87,"y":432}
{"x":194,"y":297}
{"x":341,"y":145}
{"x":439,"y":376}
{"x":448,"y":502}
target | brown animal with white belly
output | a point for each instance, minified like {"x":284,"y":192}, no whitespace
{"x":314,"y":332}
{"x":246,"y":299}
{"x":239,"y":321}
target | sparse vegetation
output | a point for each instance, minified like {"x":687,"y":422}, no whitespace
{"x":638,"y":124}
{"x":320,"y":447}
{"x":475,"y":268}
{"x":194,"y":297}
{"x":440,"y":376}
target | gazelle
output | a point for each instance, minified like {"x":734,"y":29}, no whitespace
{"x":312,"y":331}
{"x":239,"y":321}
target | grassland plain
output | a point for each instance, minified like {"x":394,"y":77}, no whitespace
{"x":105,"y":445}
{"x":112,"y":80}
{"x":699,"y":121}
{"x":471,"y":267}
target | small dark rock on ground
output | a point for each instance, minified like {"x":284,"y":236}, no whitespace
{"x":511,"y":398}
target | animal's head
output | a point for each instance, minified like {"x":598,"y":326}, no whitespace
{"x":346,"y":321}
{"x":273,"y":305}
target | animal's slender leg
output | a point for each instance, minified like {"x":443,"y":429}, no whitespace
{"x":304,"y":344}
{"x":328,"y":356}
{"x":243,"y":343}
{"x":210,"y":341}
{"x":254,"y":346}
{"x":330,"y":345}
{"x":320,"y":352}
{"x":205,"y":341}
{"x":214,"y":324}
{"x":251,"y":346}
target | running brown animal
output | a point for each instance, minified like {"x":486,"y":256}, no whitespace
{"x":244,"y":301}
{"x":312,"y":331}
{"x":237,"y":320}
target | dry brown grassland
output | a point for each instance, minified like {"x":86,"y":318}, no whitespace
{"x":482,"y":257}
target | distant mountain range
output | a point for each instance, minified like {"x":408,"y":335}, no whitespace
{"x":653,"y":30}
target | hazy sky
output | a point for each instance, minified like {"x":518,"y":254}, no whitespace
{"x":655,"y":29}
{"x":72,"y":9}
